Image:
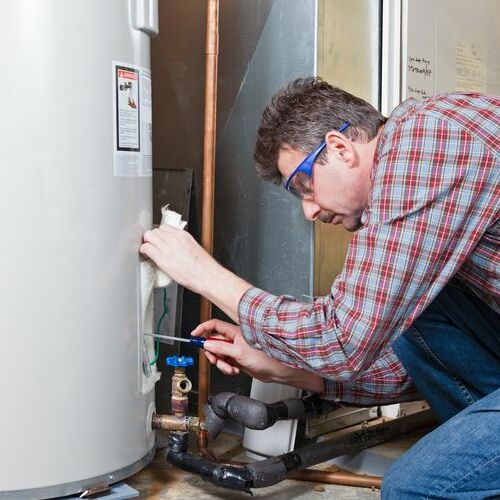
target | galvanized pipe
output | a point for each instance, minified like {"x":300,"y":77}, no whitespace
{"x":207,"y":220}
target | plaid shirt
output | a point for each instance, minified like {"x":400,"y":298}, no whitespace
{"x":433,"y":215}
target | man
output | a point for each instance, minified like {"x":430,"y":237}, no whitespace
{"x":420,"y":287}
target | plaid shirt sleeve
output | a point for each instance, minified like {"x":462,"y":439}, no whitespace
{"x":434,"y":196}
{"x":385,"y":382}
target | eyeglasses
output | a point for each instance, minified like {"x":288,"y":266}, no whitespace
{"x":299,"y":181}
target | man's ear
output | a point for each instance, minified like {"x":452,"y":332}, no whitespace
{"x":341,"y":147}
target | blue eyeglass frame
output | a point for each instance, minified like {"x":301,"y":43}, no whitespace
{"x":306,"y":165}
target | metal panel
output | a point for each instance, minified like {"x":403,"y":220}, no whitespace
{"x":260,"y":232}
{"x":448,"y":46}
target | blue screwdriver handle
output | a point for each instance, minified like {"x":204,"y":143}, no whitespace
{"x":200,"y":341}
{"x":197,"y":341}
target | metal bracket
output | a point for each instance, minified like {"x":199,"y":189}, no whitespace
{"x":145,"y":17}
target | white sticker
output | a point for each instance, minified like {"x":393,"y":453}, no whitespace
{"x":420,"y":76}
{"x":471,"y":68}
{"x":133,"y":146}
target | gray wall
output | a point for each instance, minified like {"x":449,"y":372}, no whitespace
{"x":260,"y":232}
{"x":177,"y":63}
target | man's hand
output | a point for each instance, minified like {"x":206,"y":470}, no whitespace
{"x":178,"y":254}
{"x":230,"y":358}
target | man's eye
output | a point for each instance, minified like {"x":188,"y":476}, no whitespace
{"x":304,"y":187}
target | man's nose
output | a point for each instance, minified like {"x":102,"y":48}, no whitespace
{"x":311,"y":210}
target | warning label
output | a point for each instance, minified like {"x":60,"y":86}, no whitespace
{"x":133,"y":120}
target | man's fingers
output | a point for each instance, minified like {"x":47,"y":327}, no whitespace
{"x":215,"y":325}
{"x":203,"y":328}
{"x":224,"y":365}
{"x":211,"y":357}
{"x":212,"y":326}
{"x":153,"y":236}
{"x":222,"y":348}
{"x":149,"y":250}
{"x":227,"y":368}
{"x":167,"y":228}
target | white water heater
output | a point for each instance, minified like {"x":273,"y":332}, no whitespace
{"x":76,"y":380}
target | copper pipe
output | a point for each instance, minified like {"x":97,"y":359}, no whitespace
{"x":337,"y":477}
{"x":202,"y":438}
{"x":205,"y":451}
{"x":207,"y":220}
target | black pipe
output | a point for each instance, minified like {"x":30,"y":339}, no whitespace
{"x":230,"y":477}
{"x":276,"y":469}
{"x":254,"y":414}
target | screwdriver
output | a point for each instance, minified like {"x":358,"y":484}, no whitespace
{"x":196,"y":341}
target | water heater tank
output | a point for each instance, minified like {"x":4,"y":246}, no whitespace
{"x":76,"y":381}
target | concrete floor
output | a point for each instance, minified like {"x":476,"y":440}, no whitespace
{"x":160,"y":480}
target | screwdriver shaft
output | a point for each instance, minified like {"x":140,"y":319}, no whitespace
{"x":166,"y":337}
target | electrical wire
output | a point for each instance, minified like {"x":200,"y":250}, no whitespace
{"x":158,"y":326}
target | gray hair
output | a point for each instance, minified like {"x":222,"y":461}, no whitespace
{"x":300,"y":114}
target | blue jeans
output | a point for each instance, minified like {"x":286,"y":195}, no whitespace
{"x":452,"y":353}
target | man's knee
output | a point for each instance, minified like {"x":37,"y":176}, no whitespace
{"x":394,"y":485}
{"x":405,"y":479}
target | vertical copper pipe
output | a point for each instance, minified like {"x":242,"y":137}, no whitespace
{"x":207,"y":217}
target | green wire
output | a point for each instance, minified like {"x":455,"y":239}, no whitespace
{"x":158,"y":326}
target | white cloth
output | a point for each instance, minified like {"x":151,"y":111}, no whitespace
{"x":173,"y":219}
{"x":152,"y":277}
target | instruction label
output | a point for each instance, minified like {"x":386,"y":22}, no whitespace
{"x":133,"y":139}
{"x":471,"y":68}
{"x":420,"y":76}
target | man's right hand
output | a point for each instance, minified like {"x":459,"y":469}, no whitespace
{"x":231,"y":357}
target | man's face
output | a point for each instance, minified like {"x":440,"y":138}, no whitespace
{"x":340,"y":186}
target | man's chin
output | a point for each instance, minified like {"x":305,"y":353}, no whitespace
{"x":352,"y":224}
